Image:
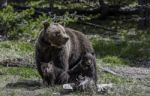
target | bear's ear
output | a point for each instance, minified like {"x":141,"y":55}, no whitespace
{"x":46,"y":24}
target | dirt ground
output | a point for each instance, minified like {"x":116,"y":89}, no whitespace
{"x":13,"y":85}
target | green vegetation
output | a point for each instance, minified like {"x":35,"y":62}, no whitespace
{"x":15,"y":49}
{"x":24,"y":72}
{"x":18,"y":46}
{"x":121,"y":48}
{"x":114,"y":60}
{"x":20,"y":25}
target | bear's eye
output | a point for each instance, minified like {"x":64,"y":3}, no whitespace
{"x":57,"y":34}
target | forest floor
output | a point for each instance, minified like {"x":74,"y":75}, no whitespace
{"x":24,"y":81}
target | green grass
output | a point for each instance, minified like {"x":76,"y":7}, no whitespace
{"x":114,"y":60}
{"x":120,"y":49}
{"x":18,"y":46}
{"x":24,"y":72}
{"x":110,"y":78}
{"x":15,"y":49}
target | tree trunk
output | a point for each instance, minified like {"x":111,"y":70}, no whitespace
{"x":104,"y":9}
{"x":51,"y":3}
{"x":144,"y":13}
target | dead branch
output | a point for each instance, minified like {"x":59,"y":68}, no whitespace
{"x":108,"y":70}
{"x":98,"y":26}
{"x":17,"y":62}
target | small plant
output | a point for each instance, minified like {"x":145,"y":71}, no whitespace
{"x":67,"y":18}
{"x":113,"y":60}
{"x":11,"y":20}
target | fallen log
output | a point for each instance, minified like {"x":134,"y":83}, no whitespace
{"x":98,"y":26}
{"x":17,"y":62}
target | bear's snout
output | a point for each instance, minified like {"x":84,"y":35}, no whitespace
{"x":66,"y":39}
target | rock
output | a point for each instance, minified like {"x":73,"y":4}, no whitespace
{"x":68,"y":87}
{"x":104,"y":87}
{"x":56,"y":94}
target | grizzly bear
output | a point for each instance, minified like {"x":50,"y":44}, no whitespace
{"x":48,"y":73}
{"x":63,"y":46}
{"x":86,"y":65}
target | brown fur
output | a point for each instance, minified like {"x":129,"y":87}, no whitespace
{"x":86,"y":65}
{"x":63,"y":46}
{"x":48,"y":73}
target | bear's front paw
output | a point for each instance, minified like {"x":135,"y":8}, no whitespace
{"x":45,"y":83}
{"x":64,"y":77}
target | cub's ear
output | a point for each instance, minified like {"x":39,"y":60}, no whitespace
{"x":46,"y":24}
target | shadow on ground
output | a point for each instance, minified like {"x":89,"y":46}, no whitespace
{"x":27,"y":84}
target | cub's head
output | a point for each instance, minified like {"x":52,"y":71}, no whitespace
{"x":47,"y":68}
{"x":87,"y":61}
{"x":55,"y":34}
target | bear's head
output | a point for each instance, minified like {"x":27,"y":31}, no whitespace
{"x":55,"y":34}
{"x":47,"y":68}
{"x":87,"y":61}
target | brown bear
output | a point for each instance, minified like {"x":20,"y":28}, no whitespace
{"x":86,"y":65}
{"x":65,"y":47}
{"x":48,"y":73}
